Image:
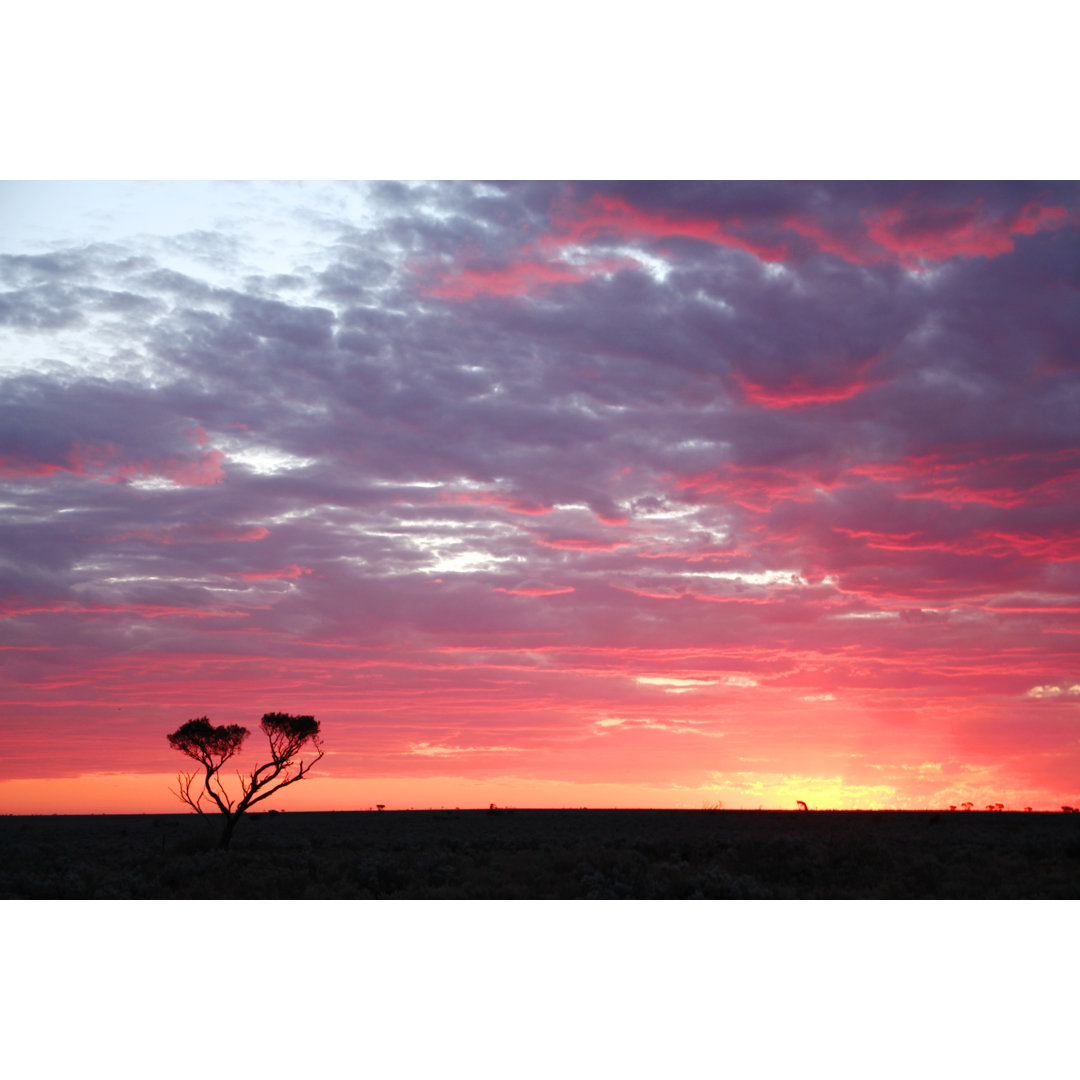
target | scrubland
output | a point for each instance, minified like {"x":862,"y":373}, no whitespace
{"x":546,"y":854}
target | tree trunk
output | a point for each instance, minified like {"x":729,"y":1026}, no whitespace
{"x":230,"y":824}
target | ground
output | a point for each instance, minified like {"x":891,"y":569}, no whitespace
{"x":546,"y":854}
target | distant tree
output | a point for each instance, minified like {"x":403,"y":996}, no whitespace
{"x":1067,"y":810}
{"x":952,"y":807}
{"x":212,"y":747}
{"x":999,"y":807}
{"x":1027,"y":809}
{"x":967,"y":805}
{"x":802,"y":805}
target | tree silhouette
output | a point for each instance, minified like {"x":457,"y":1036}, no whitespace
{"x":213,"y":746}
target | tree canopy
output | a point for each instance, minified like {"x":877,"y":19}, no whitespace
{"x":199,"y":739}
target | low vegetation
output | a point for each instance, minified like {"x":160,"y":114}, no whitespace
{"x":547,"y":854}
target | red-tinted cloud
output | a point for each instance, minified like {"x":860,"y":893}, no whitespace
{"x":105,"y":463}
{"x":913,"y":233}
{"x":525,"y":277}
{"x":492,"y":498}
{"x":536,"y":590}
{"x":290,"y":571}
{"x":13,"y":467}
{"x":852,"y":245}
{"x":910,"y":233}
{"x":194,"y":534}
{"x":578,"y":543}
{"x":995,"y":480}
{"x":610,"y":216}
{"x":11,"y":608}
{"x":917,"y":231}
{"x":995,"y":543}
{"x":755,"y":487}
{"x":798,"y":394}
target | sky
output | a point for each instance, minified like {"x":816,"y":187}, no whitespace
{"x":666,"y":494}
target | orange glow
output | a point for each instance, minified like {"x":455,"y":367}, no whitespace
{"x":147,"y":793}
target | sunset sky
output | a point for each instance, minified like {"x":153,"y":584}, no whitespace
{"x":544,"y":494}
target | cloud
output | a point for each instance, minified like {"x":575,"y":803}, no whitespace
{"x":1041,"y":693}
{"x":424,"y":749}
{"x":611,"y":215}
{"x":538,"y":589}
{"x":524,"y":277}
{"x":926,"y":232}
{"x":797,"y":394}
{"x":455,"y":472}
{"x":675,"y":686}
{"x":291,"y":571}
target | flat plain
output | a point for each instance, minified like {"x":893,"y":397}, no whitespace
{"x":546,"y":854}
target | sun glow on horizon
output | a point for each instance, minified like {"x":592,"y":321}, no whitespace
{"x":152,"y":793}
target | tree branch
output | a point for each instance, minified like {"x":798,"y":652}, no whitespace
{"x":305,"y":768}
{"x":183,"y":783}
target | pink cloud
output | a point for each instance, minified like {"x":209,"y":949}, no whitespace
{"x":184,"y":534}
{"x":852,"y":246}
{"x":290,"y":571}
{"x":798,"y":393}
{"x":1057,"y":547}
{"x":536,"y":590}
{"x":578,"y":543}
{"x":1003,"y":481}
{"x":14,"y":467}
{"x":755,"y":487}
{"x":912,"y":234}
{"x":98,"y":462}
{"x":14,"y":607}
{"x":526,"y":277}
{"x":104,"y":463}
{"x":602,"y":216}
{"x":491,"y":498}
{"x":610,"y":215}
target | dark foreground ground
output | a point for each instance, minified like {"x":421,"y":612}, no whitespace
{"x":546,"y":854}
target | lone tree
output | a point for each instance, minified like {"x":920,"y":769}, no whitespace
{"x":213,"y":746}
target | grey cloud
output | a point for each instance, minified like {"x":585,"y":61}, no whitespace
{"x":601,"y":394}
